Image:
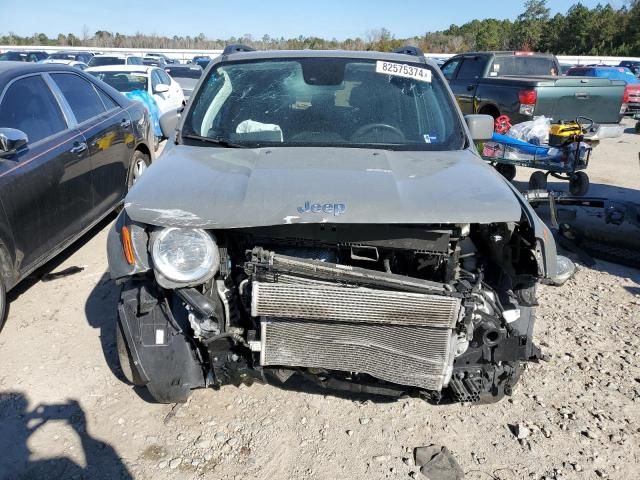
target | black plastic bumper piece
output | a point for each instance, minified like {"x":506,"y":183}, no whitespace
{"x":165,"y":358}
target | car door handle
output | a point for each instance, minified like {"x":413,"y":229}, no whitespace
{"x":470,"y":87}
{"x":125,"y":123}
{"x":78,"y":147}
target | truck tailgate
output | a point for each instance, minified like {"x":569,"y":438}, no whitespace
{"x":599,"y":99}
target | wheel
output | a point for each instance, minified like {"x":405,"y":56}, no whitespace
{"x":579,"y":184}
{"x":139,"y":164}
{"x":637,"y":127}
{"x":126,"y":363}
{"x":4,"y":307}
{"x":507,"y":171}
{"x":538,"y":181}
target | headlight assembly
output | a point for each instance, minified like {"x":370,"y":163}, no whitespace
{"x":185,"y":255}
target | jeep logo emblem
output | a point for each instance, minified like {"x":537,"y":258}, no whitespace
{"x":336,"y":209}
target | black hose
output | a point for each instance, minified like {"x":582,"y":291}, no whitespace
{"x":233,"y":336}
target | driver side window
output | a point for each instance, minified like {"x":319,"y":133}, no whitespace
{"x":29,"y":106}
{"x":155,"y":80}
{"x":449,"y":69}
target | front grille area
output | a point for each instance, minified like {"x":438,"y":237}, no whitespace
{"x":404,"y":338}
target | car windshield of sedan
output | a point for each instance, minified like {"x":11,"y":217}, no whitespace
{"x":14,"y":56}
{"x":99,"y":61}
{"x":337,"y":102}
{"x":123,"y":81}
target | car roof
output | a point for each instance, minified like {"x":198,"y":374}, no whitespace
{"x":122,"y":68}
{"x":117,"y":55}
{"x":24,"y":51}
{"x":355,"y":54}
{"x":62,"y":61}
{"x":516,"y":53}
{"x":15,"y":69}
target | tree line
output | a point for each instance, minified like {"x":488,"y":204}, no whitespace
{"x":602,"y":30}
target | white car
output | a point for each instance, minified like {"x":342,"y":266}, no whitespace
{"x":123,"y":59}
{"x":126,"y":78}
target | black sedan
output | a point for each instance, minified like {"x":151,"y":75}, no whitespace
{"x":23,"y":56}
{"x":70,"y":147}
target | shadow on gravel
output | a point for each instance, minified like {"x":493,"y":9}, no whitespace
{"x":298,"y":383}
{"x":17,"y":424}
{"x":633,"y":290}
{"x":101,"y":313}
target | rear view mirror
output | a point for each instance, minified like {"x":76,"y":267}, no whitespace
{"x":480,"y":127}
{"x":161,"y":88}
{"x":11,"y":140}
{"x":169,"y":122}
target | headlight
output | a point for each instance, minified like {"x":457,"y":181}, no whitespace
{"x":185,"y":255}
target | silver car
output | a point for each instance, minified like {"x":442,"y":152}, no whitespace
{"x":325,"y":215}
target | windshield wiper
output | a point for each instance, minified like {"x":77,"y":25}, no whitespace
{"x":222,"y":142}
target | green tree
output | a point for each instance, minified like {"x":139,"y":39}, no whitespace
{"x":530,"y":25}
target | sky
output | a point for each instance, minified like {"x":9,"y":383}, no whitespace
{"x":278,"y":18}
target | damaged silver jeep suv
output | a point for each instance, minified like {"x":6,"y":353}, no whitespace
{"x":326,"y":215}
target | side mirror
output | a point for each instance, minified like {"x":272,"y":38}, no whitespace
{"x":169,"y":122}
{"x":161,"y":88}
{"x":11,"y":140}
{"x":480,"y":127}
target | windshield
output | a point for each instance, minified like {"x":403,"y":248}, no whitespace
{"x":14,"y":56}
{"x":325,"y":101}
{"x":123,"y":81}
{"x":517,"y":65}
{"x":99,"y":61}
{"x":184,"y":72}
{"x":62,"y":56}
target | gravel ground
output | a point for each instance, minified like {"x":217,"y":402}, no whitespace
{"x":66,"y":413}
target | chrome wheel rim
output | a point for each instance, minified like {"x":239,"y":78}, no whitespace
{"x":138,"y":169}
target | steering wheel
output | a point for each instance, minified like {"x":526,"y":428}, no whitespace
{"x":373,"y":127}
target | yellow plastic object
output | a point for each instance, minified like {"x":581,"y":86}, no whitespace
{"x":563,"y":133}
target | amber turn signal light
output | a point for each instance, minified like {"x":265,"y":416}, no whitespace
{"x":127,"y":246}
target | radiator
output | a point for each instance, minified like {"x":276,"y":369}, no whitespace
{"x":403,"y":338}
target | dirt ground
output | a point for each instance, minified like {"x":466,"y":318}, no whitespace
{"x":66,"y":413}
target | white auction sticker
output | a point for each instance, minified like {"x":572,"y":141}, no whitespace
{"x":403,"y":70}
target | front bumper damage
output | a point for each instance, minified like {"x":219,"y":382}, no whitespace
{"x":343,"y":327}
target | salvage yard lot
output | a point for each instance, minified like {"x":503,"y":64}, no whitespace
{"x":578,"y":415}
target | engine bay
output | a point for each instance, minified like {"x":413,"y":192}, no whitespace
{"x":444,"y":311}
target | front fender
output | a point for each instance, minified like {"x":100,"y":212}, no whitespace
{"x":546,"y":252}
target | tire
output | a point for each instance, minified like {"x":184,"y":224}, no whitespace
{"x":538,"y":181}
{"x":507,"y":171}
{"x":489,"y":110}
{"x":579,"y":184}
{"x":4,"y":306}
{"x":126,"y":363}
{"x":139,"y":163}
{"x":637,"y":127}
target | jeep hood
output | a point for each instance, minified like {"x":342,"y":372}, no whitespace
{"x":212,"y":187}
